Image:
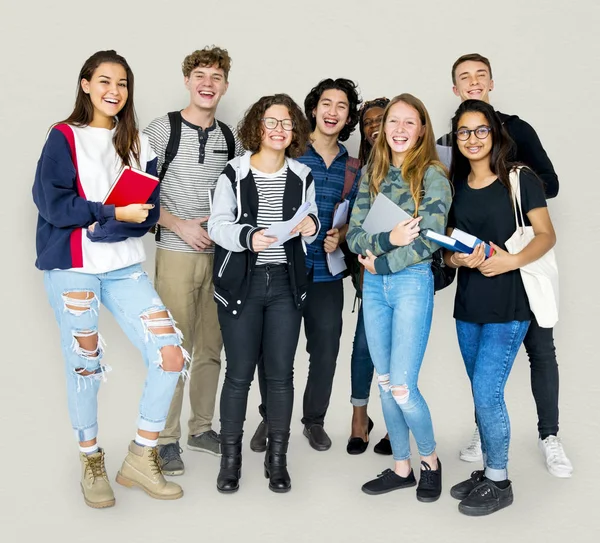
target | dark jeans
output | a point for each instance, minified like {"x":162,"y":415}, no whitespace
{"x":323,"y":327}
{"x":268,"y":328}
{"x":539,"y":344}
{"x":361,"y":365}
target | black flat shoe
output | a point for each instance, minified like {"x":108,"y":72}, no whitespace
{"x":383,"y":447}
{"x":356,"y":445}
{"x":486,"y":498}
{"x":461,"y":490}
{"x":389,"y":481}
{"x":430,"y":483}
{"x":317,"y":437}
{"x":258,"y":443}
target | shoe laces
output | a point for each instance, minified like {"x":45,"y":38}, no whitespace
{"x":428,"y":476}
{"x":554,"y":450}
{"x":154,"y":462}
{"x":170,"y":451}
{"x":386,"y":473}
{"x":95,"y":466}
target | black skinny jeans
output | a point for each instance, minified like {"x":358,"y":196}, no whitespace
{"x":269,"y":324}
{"x":539,"y":344}
{"x":323,"y":327}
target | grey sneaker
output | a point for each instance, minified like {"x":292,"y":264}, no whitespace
{"x":170,"y":459}
{"x":207,"y":442}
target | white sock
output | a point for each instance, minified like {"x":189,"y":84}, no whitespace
{"x":89,"y":450}
{"x":145,"y":442}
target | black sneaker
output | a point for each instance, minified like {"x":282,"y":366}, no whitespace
{"x":462,"y":490}
{"x":388,"y":481}
{"x":486,"y":498}
{"x":430,"y":483}
{"x":383,"y":447}
{"x":170,"y":459}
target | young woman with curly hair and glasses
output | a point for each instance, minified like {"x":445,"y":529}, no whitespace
{"x":260,"y":284}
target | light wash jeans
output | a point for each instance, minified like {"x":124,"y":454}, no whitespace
{"x":397,"y":311}
{"x":131,"y":298}
{"x":489,"y":351}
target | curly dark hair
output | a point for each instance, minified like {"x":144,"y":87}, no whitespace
{"x":345,"y":85}
{"x":250,"y":128}
{"x":365,"y":147}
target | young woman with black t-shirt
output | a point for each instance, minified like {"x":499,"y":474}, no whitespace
{"x":491,"y":308}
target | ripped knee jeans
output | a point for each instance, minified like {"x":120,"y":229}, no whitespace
{"x":128,"y":294}
{"x":398,"y":309}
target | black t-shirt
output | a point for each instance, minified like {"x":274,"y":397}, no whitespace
{"x":488,"y":214}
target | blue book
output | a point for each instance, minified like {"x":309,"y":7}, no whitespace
{"x":459,"y":241}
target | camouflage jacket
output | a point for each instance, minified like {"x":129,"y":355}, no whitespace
{"x":434,"y":208}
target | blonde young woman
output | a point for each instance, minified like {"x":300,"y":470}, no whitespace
{"x":398,"y":284}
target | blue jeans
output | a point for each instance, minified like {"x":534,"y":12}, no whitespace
{"x":398,"y":310}
{"x":489,"y":351}
{"x":131,"y":298}
{"x":361,"y":365}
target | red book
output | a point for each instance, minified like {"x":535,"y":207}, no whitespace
{"x":131,"y":187}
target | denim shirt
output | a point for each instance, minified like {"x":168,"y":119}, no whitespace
{"x":329,"y":186}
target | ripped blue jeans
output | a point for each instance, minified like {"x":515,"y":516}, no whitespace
{"x":398,"y":309}
{"x":131,"y":298}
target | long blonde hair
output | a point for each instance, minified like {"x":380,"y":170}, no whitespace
{"x":418,"y":159}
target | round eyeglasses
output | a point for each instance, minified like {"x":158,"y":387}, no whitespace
{"x":271,"y":123}
{"x":481,"y":132}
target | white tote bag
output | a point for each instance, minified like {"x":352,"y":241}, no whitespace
{"x":540,"y":277}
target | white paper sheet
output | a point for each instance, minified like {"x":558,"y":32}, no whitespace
{"x":282,"y":230}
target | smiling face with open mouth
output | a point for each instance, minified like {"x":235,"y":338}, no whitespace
{"x":107,"y":90}
{"x":276,"y":139}
{"x":473,"y":81}
{"x":332,"y":112}
{"x":372,"y":123}
{"x":206,"y":84}
{"x":402,"y":128}
{"x":474,"y":148}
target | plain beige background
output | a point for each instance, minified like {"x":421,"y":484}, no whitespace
{"x":545,"y":61}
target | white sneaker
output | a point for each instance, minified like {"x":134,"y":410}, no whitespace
{"x":472,"y":452}
{"x":556,"y":460}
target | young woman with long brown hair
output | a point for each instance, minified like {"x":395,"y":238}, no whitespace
{"x":398,"y":284}
{"x":92,"y":252}
{"x":490,"y":334}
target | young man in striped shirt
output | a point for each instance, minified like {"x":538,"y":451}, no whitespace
{"x":193,"y":149}
{"x":332,"y":109}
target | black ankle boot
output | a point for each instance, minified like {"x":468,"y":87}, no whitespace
{"x":231,"y":465}
{"x":276,"y":463}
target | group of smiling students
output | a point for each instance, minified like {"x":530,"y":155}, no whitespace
{"x":285,"y":158}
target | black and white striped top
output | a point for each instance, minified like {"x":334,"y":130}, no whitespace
{"x":270,"y":188}
{"x":200,"y":160}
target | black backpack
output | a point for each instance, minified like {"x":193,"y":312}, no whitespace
{"x":175,"y":121}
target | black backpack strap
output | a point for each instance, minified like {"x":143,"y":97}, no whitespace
{"x":173,"y":144}
{"x":229,"y":139}
{"x":170,"y":152}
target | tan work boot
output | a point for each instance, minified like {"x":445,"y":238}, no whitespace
{"x":96,"y":489}
{"x":141,"y":468}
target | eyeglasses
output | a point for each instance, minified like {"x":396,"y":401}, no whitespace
{"x":271,"y":123}
{"x":481,"y":132}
